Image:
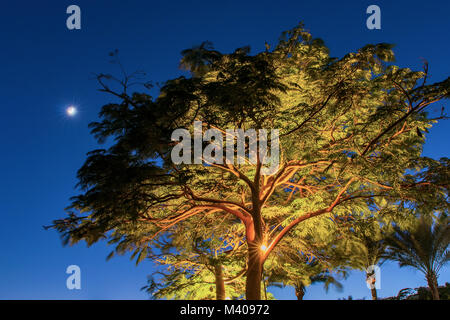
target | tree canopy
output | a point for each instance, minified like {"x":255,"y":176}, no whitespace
{"x":351,"y":132}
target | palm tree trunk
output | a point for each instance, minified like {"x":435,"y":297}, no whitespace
{"x":220,"y":283}
{"x":374,"y":294}
{"x":373,"y":290}
{"x":299,"y":292}
{"x":433,"y":285}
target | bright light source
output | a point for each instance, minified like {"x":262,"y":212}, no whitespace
{"x":71,"y":111}
{"x":263,"y":247}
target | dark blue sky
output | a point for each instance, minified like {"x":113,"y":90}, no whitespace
{"x":45,"y":68}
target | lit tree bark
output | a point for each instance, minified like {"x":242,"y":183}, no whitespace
{"x":254,"y":273}
{"x":220,"y":283}
{"x":254,"y":234}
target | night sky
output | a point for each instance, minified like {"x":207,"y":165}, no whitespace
{"x":45,"y":68}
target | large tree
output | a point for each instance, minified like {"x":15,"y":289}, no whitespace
{"x":349,"y":129}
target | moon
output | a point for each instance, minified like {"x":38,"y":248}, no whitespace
{"x":71,"y":111}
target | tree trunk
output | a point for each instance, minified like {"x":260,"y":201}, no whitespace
{"x":433,"y":285}
{"x":255,"y":235}
{"x":299,"y":292}
{"x":220,"y":284}
{"x":254,"y":274}
{"x":374,"y":293}
{"x":371,"y":278}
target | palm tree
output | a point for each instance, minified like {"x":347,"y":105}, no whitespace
{"x":368,"y":252}
{"x":424,"y":247}
{"x":372,"y":256}
{"x":366,"y":245}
